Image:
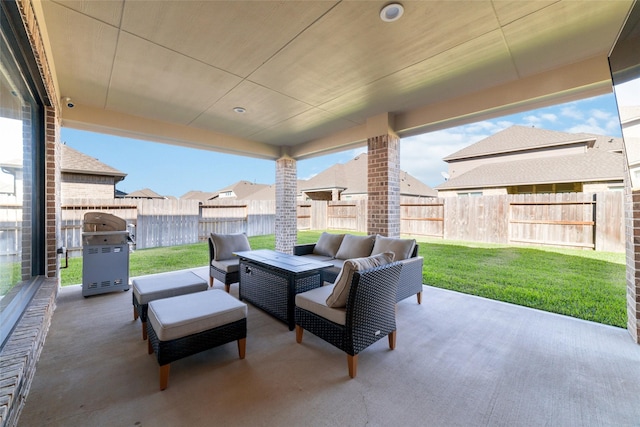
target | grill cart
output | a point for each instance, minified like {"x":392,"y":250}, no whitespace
{"x":105,"y":254}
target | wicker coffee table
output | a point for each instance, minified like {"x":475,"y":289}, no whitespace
{"x":270,"y":280}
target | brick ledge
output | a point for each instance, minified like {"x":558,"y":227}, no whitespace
{"x":21,"y":352}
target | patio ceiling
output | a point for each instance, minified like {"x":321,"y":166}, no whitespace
{"x":312,"y":74}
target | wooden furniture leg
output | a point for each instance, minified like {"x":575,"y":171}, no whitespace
{"x":299,"y":332}
{"x":164,"y":376}
{"x":135,"y":313}
{"x":419,"y":296}
{"x":392,"y":340}
{"x":352,"y":361}
{"x":242,"y":346}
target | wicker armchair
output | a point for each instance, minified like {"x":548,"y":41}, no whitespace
{"x":370,"y":313}
{"x":223,"y":265}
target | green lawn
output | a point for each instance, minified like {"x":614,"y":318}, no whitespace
{"x":584,"y":284}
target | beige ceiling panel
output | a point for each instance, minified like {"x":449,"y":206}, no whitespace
{"x":304,"y":127}
{"x":236,"y":36}
{"x":351,"y":46}
{"x":478,"y":64}
{"x":509,"y":11}
{"x":264,"y":108}
{"x":108,"y":12}
{"x":154,"y":82}
{"x":566,"y":32}
{"x":83,"y":49}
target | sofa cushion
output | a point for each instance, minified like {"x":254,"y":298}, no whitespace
{"x":355,"y":246}
{"x":403,"y":248}
{"x":328,"y":244}
{"x":338,"y":297}
{"x":319,"y":258}
{"x":224,"y":245}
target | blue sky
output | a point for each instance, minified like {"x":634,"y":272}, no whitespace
{"x":173,"y":171}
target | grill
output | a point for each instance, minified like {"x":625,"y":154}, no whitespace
{"x":105,"y":254}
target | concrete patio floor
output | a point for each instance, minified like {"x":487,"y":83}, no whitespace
{"x":460,"y":361}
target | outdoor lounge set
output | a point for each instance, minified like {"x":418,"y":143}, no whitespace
{"x":363,"y":277}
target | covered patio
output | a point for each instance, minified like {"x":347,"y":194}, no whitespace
{"x":286,"y":81}
{"x":460,"y":361}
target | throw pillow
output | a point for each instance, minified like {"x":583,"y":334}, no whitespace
{"x":224,"y":245}
{"x":328,"y":244}
{"x":342,"y":286}
{"x":403,"y":248}
{"x":355,"y":246}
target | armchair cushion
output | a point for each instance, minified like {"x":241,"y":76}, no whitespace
{"x":315,"y":301}
{"x":355,"y":246}
{"x":225,"y":245}
{"x":402,"y":248}
{"x":340,"y":293}
{"x":328,"y":244}
{"x":227,"y":265}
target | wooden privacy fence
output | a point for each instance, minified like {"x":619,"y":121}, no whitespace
{"x":169,"y":222}
{"x":580,"y":220}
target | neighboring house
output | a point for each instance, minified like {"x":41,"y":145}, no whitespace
{"x":526,"y":160}
{"x":145,"y":193}
{"x":348,"y":181}
{"x":241,"y":190}
{"x":11,"y":181}
{"x":85,"y":177}
{"x":199,"y":195}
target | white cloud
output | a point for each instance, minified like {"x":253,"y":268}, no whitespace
{"x":532,"y":120}
{"x":550,"y":117}
{"x":422,"y":155}
{"x":600,"y":114}
{"x":572,"y":112}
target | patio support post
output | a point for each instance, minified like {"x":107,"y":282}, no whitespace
{"x":383,"y":206}
{"x":632,"y":231}
{"x":286,"y":206}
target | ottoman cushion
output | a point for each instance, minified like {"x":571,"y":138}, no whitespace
{"x":177,"y":317}
{"x":164,"y":285}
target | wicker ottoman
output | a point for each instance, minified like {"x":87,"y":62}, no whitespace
{"x":164,"y":285}
{"x":188,"y":324}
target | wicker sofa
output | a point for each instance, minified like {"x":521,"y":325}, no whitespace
{"x":337,"y":248}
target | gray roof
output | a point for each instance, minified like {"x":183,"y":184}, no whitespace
{"x":243,"y":189}
{"x":519,"y":138}
{"x":145,"y":193}
{"x":199,"y":195}
{"x":351,"y":178}
{"x":73,"y":161}
{"x":594,"y":165}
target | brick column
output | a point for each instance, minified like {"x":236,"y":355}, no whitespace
{"x":52,"y":191}
{"x":632,"y":243}
{"x":286,"y":205}
{"x":383,"y":213}
{"x":632,"y":251}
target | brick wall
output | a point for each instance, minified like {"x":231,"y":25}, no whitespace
{"x":286,"y":205}
{"x":77,"y":190}
{"x":632,"y":228}
{"x":383,"y":215}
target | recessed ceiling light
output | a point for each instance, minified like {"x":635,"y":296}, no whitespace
{"x":391,"y":12}
{"x":239,"y":110}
